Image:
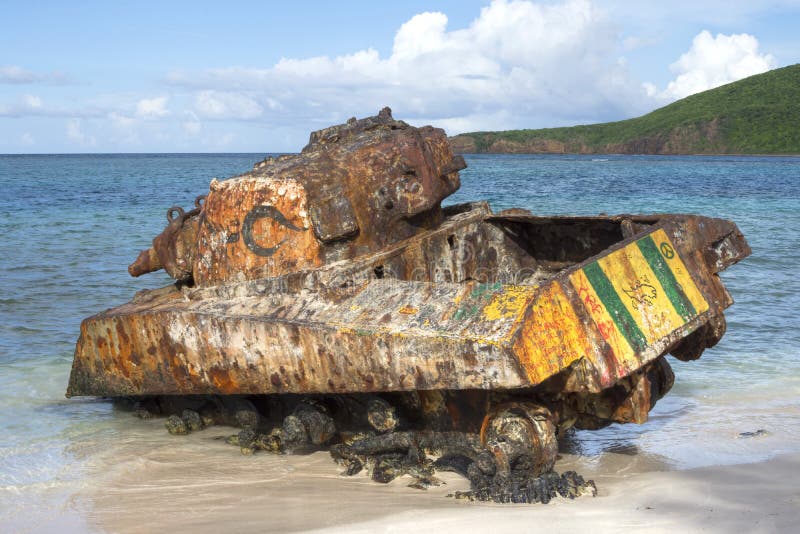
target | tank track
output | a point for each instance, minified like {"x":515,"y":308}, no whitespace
{"x":508,"y":459}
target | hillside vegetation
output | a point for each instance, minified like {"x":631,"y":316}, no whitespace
{"x":756,"y":115}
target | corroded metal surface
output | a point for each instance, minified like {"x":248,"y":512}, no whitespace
{"x":336,"y":271}
{"x":174,"y":249}
{"x":389,"y":334}
{"x":354,"y":189}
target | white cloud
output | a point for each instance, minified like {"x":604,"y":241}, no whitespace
{"x":24,"y":105}
{"x":27,"y":139}
{"x":635,"y":42}
{"x":125,"y":130}
{"x":75,"y":134}
{"x":225,"y":140}
{"x":152,"y":108}
{"x":32,"y":102}
{"x":122,"y":121}
{"x":13,"y":74}
{"x":31,"y":105}
{"x":714,"y":61}
{"x":423,"y":34}
{"x":540,"y":64}
{"x":192,"y":125}
{"x":226,"y":105}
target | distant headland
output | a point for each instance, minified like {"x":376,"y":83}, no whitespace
{"x":756,"y":115}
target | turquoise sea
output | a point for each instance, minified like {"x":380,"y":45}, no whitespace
{"x":71,"y":224}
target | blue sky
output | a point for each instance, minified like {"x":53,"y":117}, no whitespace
{"x":259,"y":76}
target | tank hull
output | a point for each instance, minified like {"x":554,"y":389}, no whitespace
{"x":487,"y":302}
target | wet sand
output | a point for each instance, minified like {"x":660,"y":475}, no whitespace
{"x":761,"y":497}
{"x":199,"y":484}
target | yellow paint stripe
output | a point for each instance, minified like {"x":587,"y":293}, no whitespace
{"x":508,"y":303}
{"x":641,"y":293}
{"x":552,"y":337}
{"x":622,"y":350}
{"x":681,"y":273}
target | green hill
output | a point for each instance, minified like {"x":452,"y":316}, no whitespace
{"x":756,"y":115}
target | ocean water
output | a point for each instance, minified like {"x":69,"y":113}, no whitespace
{"x":71,"y":224}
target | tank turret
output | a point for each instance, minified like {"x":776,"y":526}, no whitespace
{"x":354,"y":189}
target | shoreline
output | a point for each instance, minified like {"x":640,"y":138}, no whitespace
{"x":701,"y":154}
{"x":262,"y":154}
{"x":758,"y":497}
{"x":197,"y":483}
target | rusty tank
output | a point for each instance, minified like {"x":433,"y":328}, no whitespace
{"x":332,"y":293}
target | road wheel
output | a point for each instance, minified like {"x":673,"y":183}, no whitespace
{"x":521,"y":436}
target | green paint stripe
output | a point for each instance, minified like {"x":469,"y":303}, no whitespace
{"x":666,"y":278}
{"x":616,"y":309}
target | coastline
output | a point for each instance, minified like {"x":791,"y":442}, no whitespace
{"x":678,"y":154}
{"x":197,"y":483}
{"x":756,"y":497}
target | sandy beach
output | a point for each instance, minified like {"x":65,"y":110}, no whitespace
{"x":762,"y":497}
{"x":199,"y":484}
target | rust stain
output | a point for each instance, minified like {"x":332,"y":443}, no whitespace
{"x":222,"y":380}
